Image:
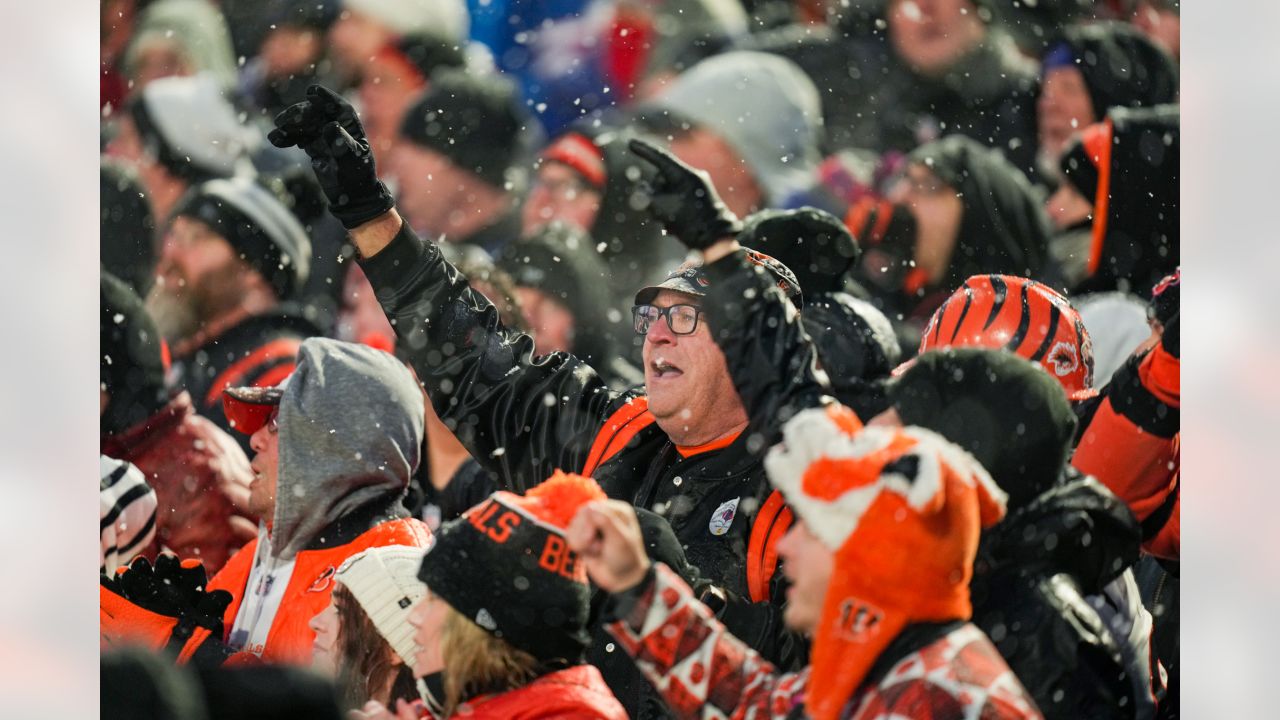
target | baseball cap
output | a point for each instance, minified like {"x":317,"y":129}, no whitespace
{"x":249,"y":408}
{"x":691,"y":278}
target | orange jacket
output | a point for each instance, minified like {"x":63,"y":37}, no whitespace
{"x":1132,"y":445}
{"x":310,"y":585}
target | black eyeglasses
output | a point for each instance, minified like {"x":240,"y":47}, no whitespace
{"x":682,"y":319}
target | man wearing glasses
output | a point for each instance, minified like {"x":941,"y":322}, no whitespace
{"x":683,"y":446}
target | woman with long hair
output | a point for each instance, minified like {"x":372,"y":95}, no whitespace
{"x":505,"y":615}
{"x":363,"y":638}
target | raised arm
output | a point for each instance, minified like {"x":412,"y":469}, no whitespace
{"x":519,"y":417}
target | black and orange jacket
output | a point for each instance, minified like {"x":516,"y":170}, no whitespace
{"x":1132,"y":443}
{"x":261,"y":350}
{"x":524,"y":417}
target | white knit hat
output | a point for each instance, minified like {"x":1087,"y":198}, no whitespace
{"x":384,"y":580}
{"x":443,"y":18}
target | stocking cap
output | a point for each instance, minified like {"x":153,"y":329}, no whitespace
{"x":384,"y":580}
{"x":902,"y":509}
{"x":505,"y":566}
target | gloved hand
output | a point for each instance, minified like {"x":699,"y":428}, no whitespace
{"x":172,"y":589}
{"x":325,"y":126}
{"x":684,"y":200}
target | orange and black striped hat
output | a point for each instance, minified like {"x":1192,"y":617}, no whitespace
{"x":1020,"y":315}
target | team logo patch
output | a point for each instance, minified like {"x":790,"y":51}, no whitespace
{"x":485,"y":620}
{"x":859,"y":620}
{"x":1064,"y":358}
{"x":324,"y":582}
{"x":722,"y":518}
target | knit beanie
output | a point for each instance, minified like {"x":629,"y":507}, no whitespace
{"x":814,"y":243}
{"x":1005,"y":411}
{"x":191,"y":129}
{"x":505,"y":565}
{"x":902,"y":510}
{"x":384,"y":580}
{"x":257,"y":225}
{"x":580,"y":154}
{"x":131,"y":358}
{"x":561,"y":261}
{"x":762,"y":105}
{"x":473,"y":120}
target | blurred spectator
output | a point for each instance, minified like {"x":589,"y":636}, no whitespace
{"x":1161,"y":20}
{"x":393,"y":77}
{"x":594,"y":183}
{"x":1092,"y":69}
{"x":454,"y":162}
{"x":115,"y":27}
{"x":127,"y":230}
{"x":232,"y":256}
{"x":937,"y":67}
{"x":974,"y":213}
{"x":751,"y":120}
{"x":366,"y":26}
{"x":177,"y":133}
{"x":291,"y":55}
{"x":200,"y":475}
{"x":180,"y":37}
{"x":126,"y":513}
{"x":363,"y":638}
{"x":1125,"y":170}
{"x":562,"y":284}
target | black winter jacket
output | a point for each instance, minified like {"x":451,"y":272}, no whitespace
{"x":523,"y":417}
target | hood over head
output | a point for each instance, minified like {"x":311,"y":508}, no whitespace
{"x":1004,"y":228}
{"x":762,"y":105}
{"x":1120,"y":65}
{"x":1078,"y":527}
{"x":855,"y":341}
{"x":351,"y":424}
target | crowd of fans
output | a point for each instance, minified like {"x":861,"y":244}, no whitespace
{"x":619,"y":358}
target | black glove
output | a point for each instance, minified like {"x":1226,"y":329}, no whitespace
{"x":325,"y":126}
{"x":684,"y":200}
{"x":172,"y":590}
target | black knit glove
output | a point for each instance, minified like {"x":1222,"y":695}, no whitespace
{"x":684,"y":201}
{"x":325,"y":126}
{"x":173,"y":590}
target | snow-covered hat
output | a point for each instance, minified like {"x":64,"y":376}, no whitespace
{"x":191,"y":129}
{"x":762,"y":105}
{"x":384,"y":580}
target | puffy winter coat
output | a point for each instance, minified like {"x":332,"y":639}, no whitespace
{"x":523,"y":418}
{"x":310,"y":584}
{"x":201,"y":478}
{"x":1030,"y":580}
{"x":576,"y":693}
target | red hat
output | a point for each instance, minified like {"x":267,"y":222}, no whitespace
{"x":902,"y":510}
{"x":580,"y":154}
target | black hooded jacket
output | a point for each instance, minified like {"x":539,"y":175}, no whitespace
{"x":1004,"y":228}
{"x":872,"y":100}
{"x":1120,"y":65}
{"x":1030,"y":580}
{"x":523,"y":417}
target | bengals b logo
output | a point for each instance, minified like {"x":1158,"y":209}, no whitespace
{"x":859,"y":621}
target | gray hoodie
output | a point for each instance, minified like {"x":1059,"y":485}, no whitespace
{"x":351,"y":423}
